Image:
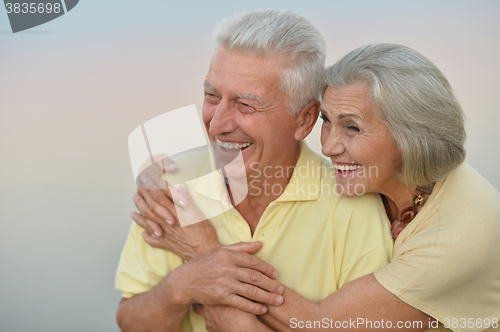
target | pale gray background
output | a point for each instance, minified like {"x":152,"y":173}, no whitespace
{"x":73,"y":89}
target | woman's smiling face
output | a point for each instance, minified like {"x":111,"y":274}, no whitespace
{"x":360,"y":146}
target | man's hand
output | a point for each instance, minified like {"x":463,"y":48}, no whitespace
{"x":228,"y":319}
{"x":230,"y":276}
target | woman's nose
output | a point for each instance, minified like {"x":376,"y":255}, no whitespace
{"x":333,"y":144}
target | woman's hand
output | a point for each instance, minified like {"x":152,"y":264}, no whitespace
{"x":159,"y":204}
{"x":186,"y":242}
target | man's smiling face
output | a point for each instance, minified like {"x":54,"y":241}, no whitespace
{"x":244,"y":109}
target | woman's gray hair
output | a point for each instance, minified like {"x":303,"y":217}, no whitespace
{"x":416,"y":102}
{"x":280,"y":32}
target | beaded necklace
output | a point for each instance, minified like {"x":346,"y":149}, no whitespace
{"x":409,"y":213}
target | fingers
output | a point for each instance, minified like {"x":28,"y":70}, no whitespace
{"x":243,"y":304}
{"x":168,"y":165}
{"x":151,"y":178}
{"x":255,"y":278}
{"x":160,"y":203}
{"x":157,"y":230}
{"x":145,"y":211}
{"x":254,"y":284}
{"x":187,"y":211}
{"x":252,"y":278}
{"x":244,"y":258}
{"x":151,"y":209}
{"x":139,"y":220}
{"x":248,"y":247}
{"x":150,"y":227}
{"x":180,"y":197}
{"x":154,"y":241}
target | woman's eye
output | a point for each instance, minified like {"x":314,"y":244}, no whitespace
{"x":324,"y":118}
{"x":353,"y":128}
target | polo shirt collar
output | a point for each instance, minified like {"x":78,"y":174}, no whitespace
{"x":305,"y":183}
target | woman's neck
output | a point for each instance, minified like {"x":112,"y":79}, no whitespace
{"x":396,"y":199}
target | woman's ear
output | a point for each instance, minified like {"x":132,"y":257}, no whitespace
{"x":306,"y":119}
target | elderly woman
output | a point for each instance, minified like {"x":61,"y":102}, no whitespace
{"x":392,"y":124}
{"x":389,"y":108}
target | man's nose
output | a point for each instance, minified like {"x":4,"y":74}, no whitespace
{"x":223,"y":120}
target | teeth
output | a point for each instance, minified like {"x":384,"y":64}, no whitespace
{"x":233,"y":146}
{"x":346,"y":167}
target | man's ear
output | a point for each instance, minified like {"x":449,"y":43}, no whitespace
{"x":306,"y":119}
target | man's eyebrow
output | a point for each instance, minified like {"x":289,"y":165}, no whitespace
{"x":249,"y":97}
{"x":210,"y":87}
{"x":245,"y":96}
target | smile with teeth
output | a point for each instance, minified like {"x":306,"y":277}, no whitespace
{"x":346,"y":167}
{"x":233,"y":146}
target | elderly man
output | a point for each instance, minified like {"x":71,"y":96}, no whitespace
{"x":261,"y":97}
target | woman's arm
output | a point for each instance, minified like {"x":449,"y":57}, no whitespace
{"x":361,"y":305}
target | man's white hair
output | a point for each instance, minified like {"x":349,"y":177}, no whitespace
{"x":271,"y":32}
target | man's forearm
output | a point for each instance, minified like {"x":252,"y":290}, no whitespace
{"x":152,"y":311}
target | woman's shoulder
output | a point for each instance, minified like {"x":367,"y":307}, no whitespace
{"x":464,"y":208}
{"x":465,"y":189}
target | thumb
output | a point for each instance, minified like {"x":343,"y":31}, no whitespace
{"x":248,"y":247}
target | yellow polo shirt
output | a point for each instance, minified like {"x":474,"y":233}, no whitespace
{"x":316,"y":239}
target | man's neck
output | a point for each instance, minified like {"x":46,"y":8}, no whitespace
{"x":265,"y":189}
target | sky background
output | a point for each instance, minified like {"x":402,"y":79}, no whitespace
{"x":73,"y":89}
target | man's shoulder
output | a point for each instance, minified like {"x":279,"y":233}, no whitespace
{"x":192,"y":164}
